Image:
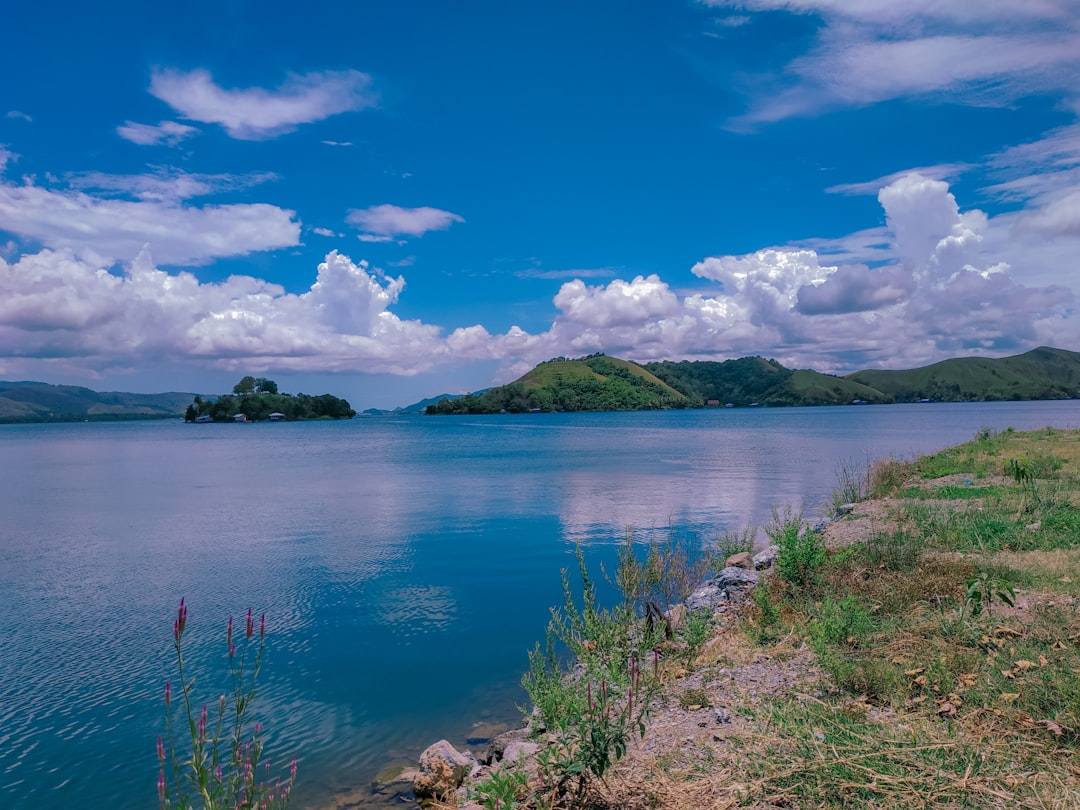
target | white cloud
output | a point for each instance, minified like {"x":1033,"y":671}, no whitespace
{"x":166,"y":184}
{"x":384,"y":223}
{"x":255,"y":113}
{"x":16,"y":115}
{"x":338,"y":143}
{"x":117,"y":229}
{"x":620,"y":303}
{"x":168,"y":133}
{"x":325,"y":232}
{"x":869,"y":51}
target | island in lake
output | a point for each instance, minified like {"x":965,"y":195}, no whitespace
{"x":256,"y":399}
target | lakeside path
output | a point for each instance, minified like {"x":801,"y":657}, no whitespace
{"x":929,"y":657}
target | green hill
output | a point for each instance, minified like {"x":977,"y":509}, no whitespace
{"x":594,"y":383}
{"x":40,"y":402}
{"x":1042,"y":373}
{"x":757,"y":381}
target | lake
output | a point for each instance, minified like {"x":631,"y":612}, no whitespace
{"x":405,"y":564}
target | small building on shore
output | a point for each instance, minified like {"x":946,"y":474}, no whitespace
{"x":240,"y":417}
{"x":277,"y":417}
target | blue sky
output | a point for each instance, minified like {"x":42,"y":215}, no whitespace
{"x":388,"y":200}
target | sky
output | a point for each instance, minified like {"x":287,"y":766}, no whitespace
{"x":392,"y":200}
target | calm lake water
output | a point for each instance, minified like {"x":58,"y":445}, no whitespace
{"x":405,"y":565}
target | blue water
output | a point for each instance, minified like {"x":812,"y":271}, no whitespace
{"x":406,"y":565}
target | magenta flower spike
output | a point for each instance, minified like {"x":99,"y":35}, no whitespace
{"x":161,"y":785}
{"x":250,"y":624}
{"x":262,"y":627}
{"x":168,"y":694}
{"x":292,"y":771}
{"x":160,"y":750}
{"x":228,"y":637}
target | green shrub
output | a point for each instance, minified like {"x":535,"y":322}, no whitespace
{"x":800,"y":550}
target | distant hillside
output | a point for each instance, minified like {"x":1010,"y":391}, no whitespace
{"x":416,"y":407}
{"x":1042,"y":373}
{"x":757,"y":381}
{"x":41,"y":402}
{"x":594,"y":383}
{"x":601,"y":383}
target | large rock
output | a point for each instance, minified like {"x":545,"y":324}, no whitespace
{"x":707,"y":595}
{"x":765,"y":558}
{"x":740,"y":560}
{"x":442,"y":770}
{"x":496,"y":751}
{"x":732,"y":577}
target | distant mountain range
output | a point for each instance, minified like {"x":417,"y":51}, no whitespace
{"x":41,"y":402}
{"x":599,"y":382}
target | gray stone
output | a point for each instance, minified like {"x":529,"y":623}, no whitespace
{"x":734,"y":578}
{"x":517,"y":751}
{"x":497,"y":749}
{"x":845,"y":509}
{"x":723,"y":716}
{"x":708,"y":596}
{"x":740,"y":560}
{"x":442,"y":769}
{"x":765,"y":557}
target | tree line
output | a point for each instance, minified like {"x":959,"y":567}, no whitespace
{"x":258,"y":397}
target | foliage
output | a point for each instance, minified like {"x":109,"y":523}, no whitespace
{"x":985,"y":589}
{"x":257,"y":398}
{"x":666,"y":576}
{"x":505,"y":789}
{"x":593,"y":383}
{"x":899,"y":550}
{"x":221,"y":772}
{"x":596,"y":739}
{"x":697,"y":631}
{"x":800,"y":550}
{"x":731,"y":543}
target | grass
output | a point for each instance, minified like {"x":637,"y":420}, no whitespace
{"x":937,"y":660}
{"x":935,"y":691}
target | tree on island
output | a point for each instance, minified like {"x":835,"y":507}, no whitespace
{"x":258,"y":397}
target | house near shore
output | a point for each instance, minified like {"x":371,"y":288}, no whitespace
{"x":277,"y":417}
{"x":240,"y":417}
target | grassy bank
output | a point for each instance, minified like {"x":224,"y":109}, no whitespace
{"x":922,"y":651}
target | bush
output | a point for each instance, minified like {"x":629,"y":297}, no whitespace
{"x":800,"y":550}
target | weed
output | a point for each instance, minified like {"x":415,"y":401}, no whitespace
{"x":697,"y":631}
{"x":853,"y":484}
{"x":887,"y":476}
{"x":731,"y":542}
{"x":668,"y":574}
{"x":222,"y":768}
{"x":800,"y":550}
{"x":694,"y":698}
{"x":506,"y":789}
{"x":984,"y":590}
{"x":767,"y":620}
{"x":899,"y":550}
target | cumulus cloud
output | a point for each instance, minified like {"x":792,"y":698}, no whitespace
{"x":117,"y":229}
{"x":385,"y":223}
{"x":945,"y":288}
{"x":974,"y":52}
{"x":256,"y":113}
{"x":620,"y":303}
{"x":16,"y":115}
{"x":168,"y":133}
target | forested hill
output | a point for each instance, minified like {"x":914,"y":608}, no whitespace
{"x":601,"y":383}
{"x":593,"y":383}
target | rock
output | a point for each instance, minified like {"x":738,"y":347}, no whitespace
{"x":442,"y":769}
{"x":706,"y":596}
{"x":741,"y":560}
{"x":765,"y":558}
{"x":497,"y":749}
{"x":723,"y":716}
{"x":1034,"y":527}
{"x":734,"y":578}
{"x":845,"y":509}
{"x":519,"y":750}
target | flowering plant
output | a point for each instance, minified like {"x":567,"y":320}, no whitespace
{"x":222,"y":769}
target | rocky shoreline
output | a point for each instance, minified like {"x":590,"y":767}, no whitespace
{"x":446,"y":773}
